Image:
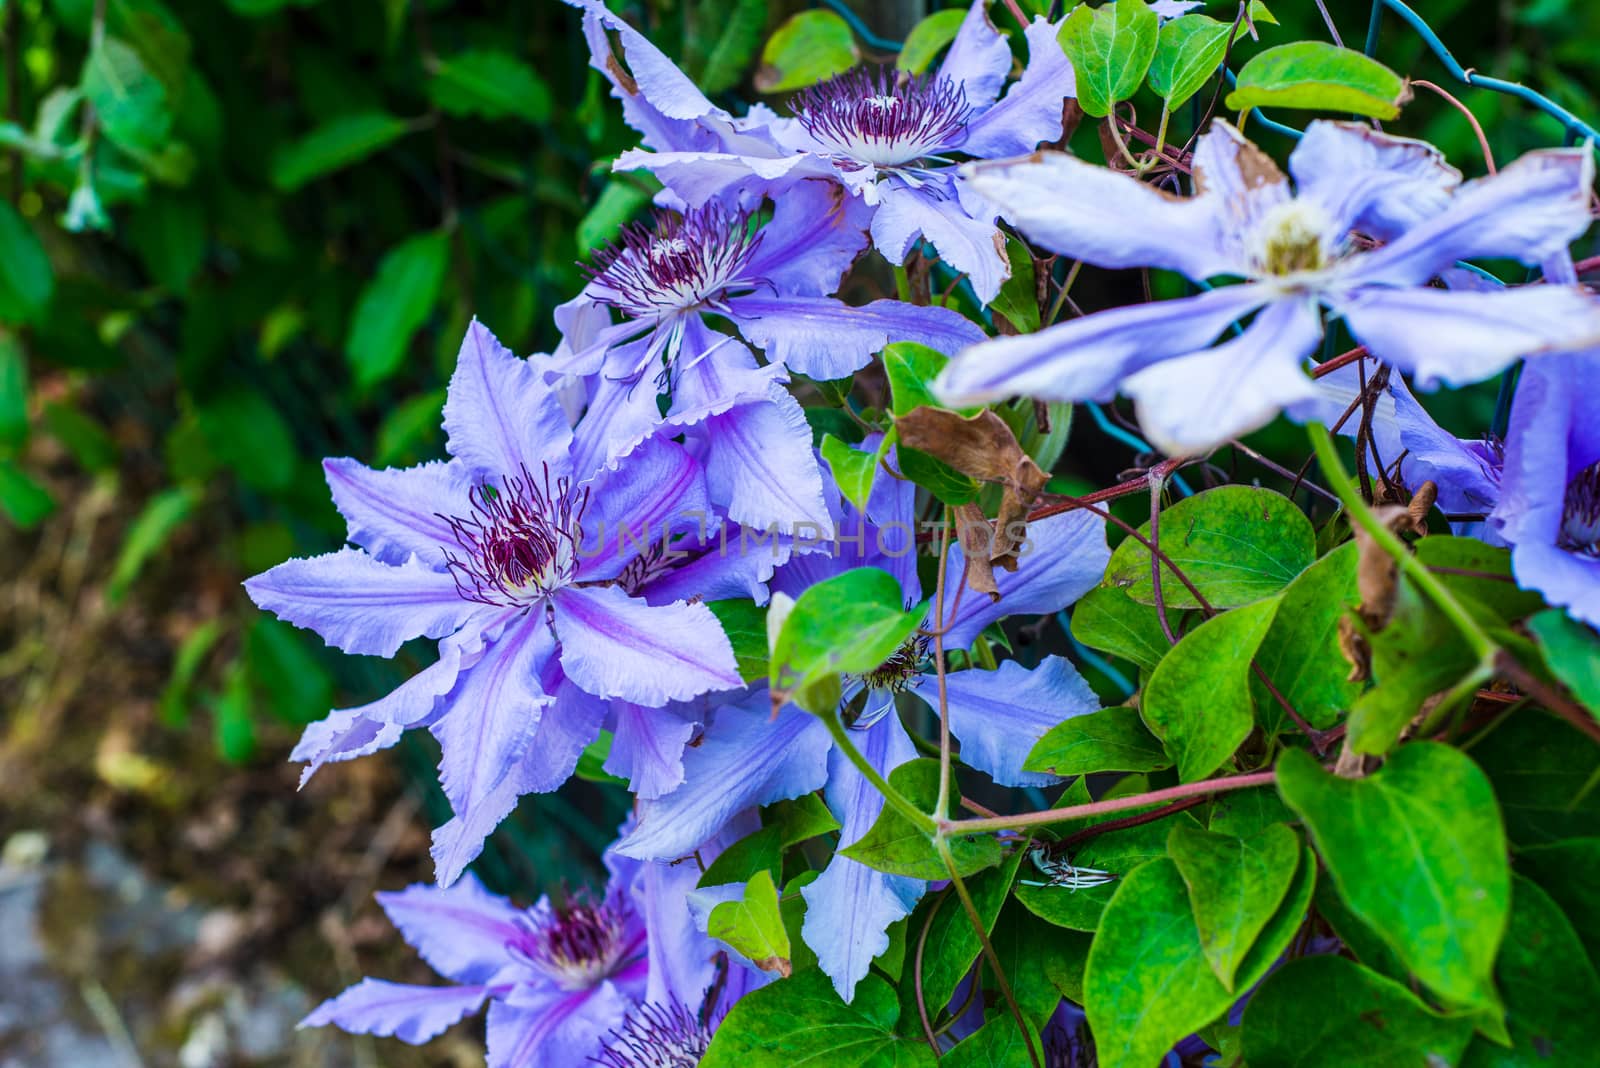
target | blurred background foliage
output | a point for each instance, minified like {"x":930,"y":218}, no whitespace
{"x":237,"y":236}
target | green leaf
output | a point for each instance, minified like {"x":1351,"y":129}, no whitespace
{"x":852,"y":469}
{"x":1237,"y":544}
{"x":895,"y":845}
{"x":808,"y":48}
{"x":1319,"y":76}
{"x":1043,"y":962}
{"x":1188,"y":53}
{"x":13,"y":393}
{"x":1490,"y":582}
{"x":1544,"y":773}
{"x":937,"y":477}
{"x":1235,"y":887}
{"x":786,"y":824}
{"x":1112,"y":739}
{"x":911,"y":369}
{"x":927,"y":38}
{"x":592,"y":768}
{"x":24,"y":501}
{"x":622,"y":198}
{"x":410,"y":431}
{"x":168,"y":231}
{"x":951,"y":945}
{"x":284,"y":664}
{"x":338,"y":142}
{"x":155,"y":523}
{"x":491,"y":84}
{"x":1418,"y":852}
{"x":848,"y":624}
{"x":86,"y":439}
{"x":999,"y":1043}
{"x":1569,"y":872}
{"x":1111,"y":48}
{"x":801,"y":1021}
{"x":397,"y":301}
{"x":745,"y":624}
{"x":248,"y":434}
{"x":129,"y":101}
{"x":1259,"y":14}
{"x":1329,"y":1012}
{"x":191,"y":653}
{"x":233,"y":729}
{"x":1358,"y":938}
{"x":1106,"y":618}
{"x":738,"y":28}
{"x":1018,"y":299}
{"x":1550,"y":989}
{"x":1301,"y":654}
{"x":801,"y":818}
{"x":1198,"y":698}
{"x":27,"y":280}
{"x":1147,"y":983}
{"x":1572,"y":652}
{"x":1247,"y":812}
{"x":752,"y":926}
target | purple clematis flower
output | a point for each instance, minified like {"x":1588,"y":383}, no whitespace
{"x":1299,"y":250}
{"x":749,"y":759}
{"x":664,"y":282}
{"x":540,"y":581}
{"x":886,"y":137}
{"x":593,"y":979}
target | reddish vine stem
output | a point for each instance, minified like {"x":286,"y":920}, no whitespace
{"x":1114,"y":804}
{"x":1125,"y":822}
{"x":916,"y":974}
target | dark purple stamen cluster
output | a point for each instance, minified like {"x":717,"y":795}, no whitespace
{"x":904,"y":665}
{"x":885,"y":118}
{"x":519,"y":542}
{"x":1580,"y":520}
{"x":578,"y":944}
{"x":682,"y":261}
{"x":655,"y":1036}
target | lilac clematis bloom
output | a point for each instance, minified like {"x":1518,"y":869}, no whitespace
{"x":888,"y":138}
{"x":664,"y":282}
{"x":536,"y":576}
{"x":1299,"y":250}
{"x":748,"y":759}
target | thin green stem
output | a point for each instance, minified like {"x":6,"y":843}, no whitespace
{"x":841,"y":738}
{"x":942,"y":808}
{"x":1362,"y":514}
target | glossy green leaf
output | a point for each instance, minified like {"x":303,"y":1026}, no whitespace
{"x":168,"y":232}
{"x":147,"y":534}
{"x":1319,"y":76}
{"x":89,"y":443}
{"x":410,"y":432}
{"x":232,"y":723}
{"x":735,"y":32}
{"x":951,"y":945}
{"x":937,"y":477}
{"x":1301,"y":654}
{"x":1198,"y":698}
{"x":1106,"y":618}
{"x":1329,"y":1012}
{"x":1112,"y":739}
{"x":809,"y":47}
{"x":245,"y":431}
{"x":1569,"y":871}
{"x":1237,"y":544}
{"x":911,"y":368}
{"x":801,"y":1020}
{"x":1247,"y":812}
{"x":286,"y":669}
{"x":745,"y":624}
{"x":621,"y":199}
{"x":895,"y":845}
{"x":848,"y":624}
{"x":1544,"y":773}
{"x":999,"y":1043}
{"x":27,"y":281}
{"x":1418,"y":852}
{"x":1235,"y":886}
{"x":1550,"y":989}
{"x":13,"y":392}
{"x":23,"y":501}
{"x":1018,"y":299}
{"x":129,"y":101}
{"x":491,"y":84}
{"x":1111,"y":48}
{"x":397,"y":301}
{"x":927,"y":38}
{"x":853,"y":470}
{"x":337,"y":143}
{"x":752,"y":926}
{"x":1572,"y":652}
{"x":1469,"y":568}
{"x":1043,"y":962}
{"x":1188,"y":52}
{"x":186,"y":663}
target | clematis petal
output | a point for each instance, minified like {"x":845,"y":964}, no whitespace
{"x":494,"y":711}
{"x":621,"y":413}
{"x":617,"y":646}
{"x":658,"y":493}
{"x":748,"y":758}
{"x":396,"y":512}
{"x":1087,"y":358}
{"x":554,"y":1028}
{"x":827,"y":339}
{"x":1456,"y":338}
{"x":999,"y":715}
{"x":1031,"y":110}
{"x":462,"y":932}
{"x":1530,"y":210}
{"x":850,"y":906}
{"x":1064,"y":557}
{"x":360,"y":605}
{"x":1371,"y":181}
{"x":815,"y":234}
{"x":735,"y":564}
{"x":973,"y":246}
{"x":1196,"y":402}
{"x":410,"y":1013}
{"x":500,"y":415}
{"x":648,"y":746}
{"x":979,"y":59}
